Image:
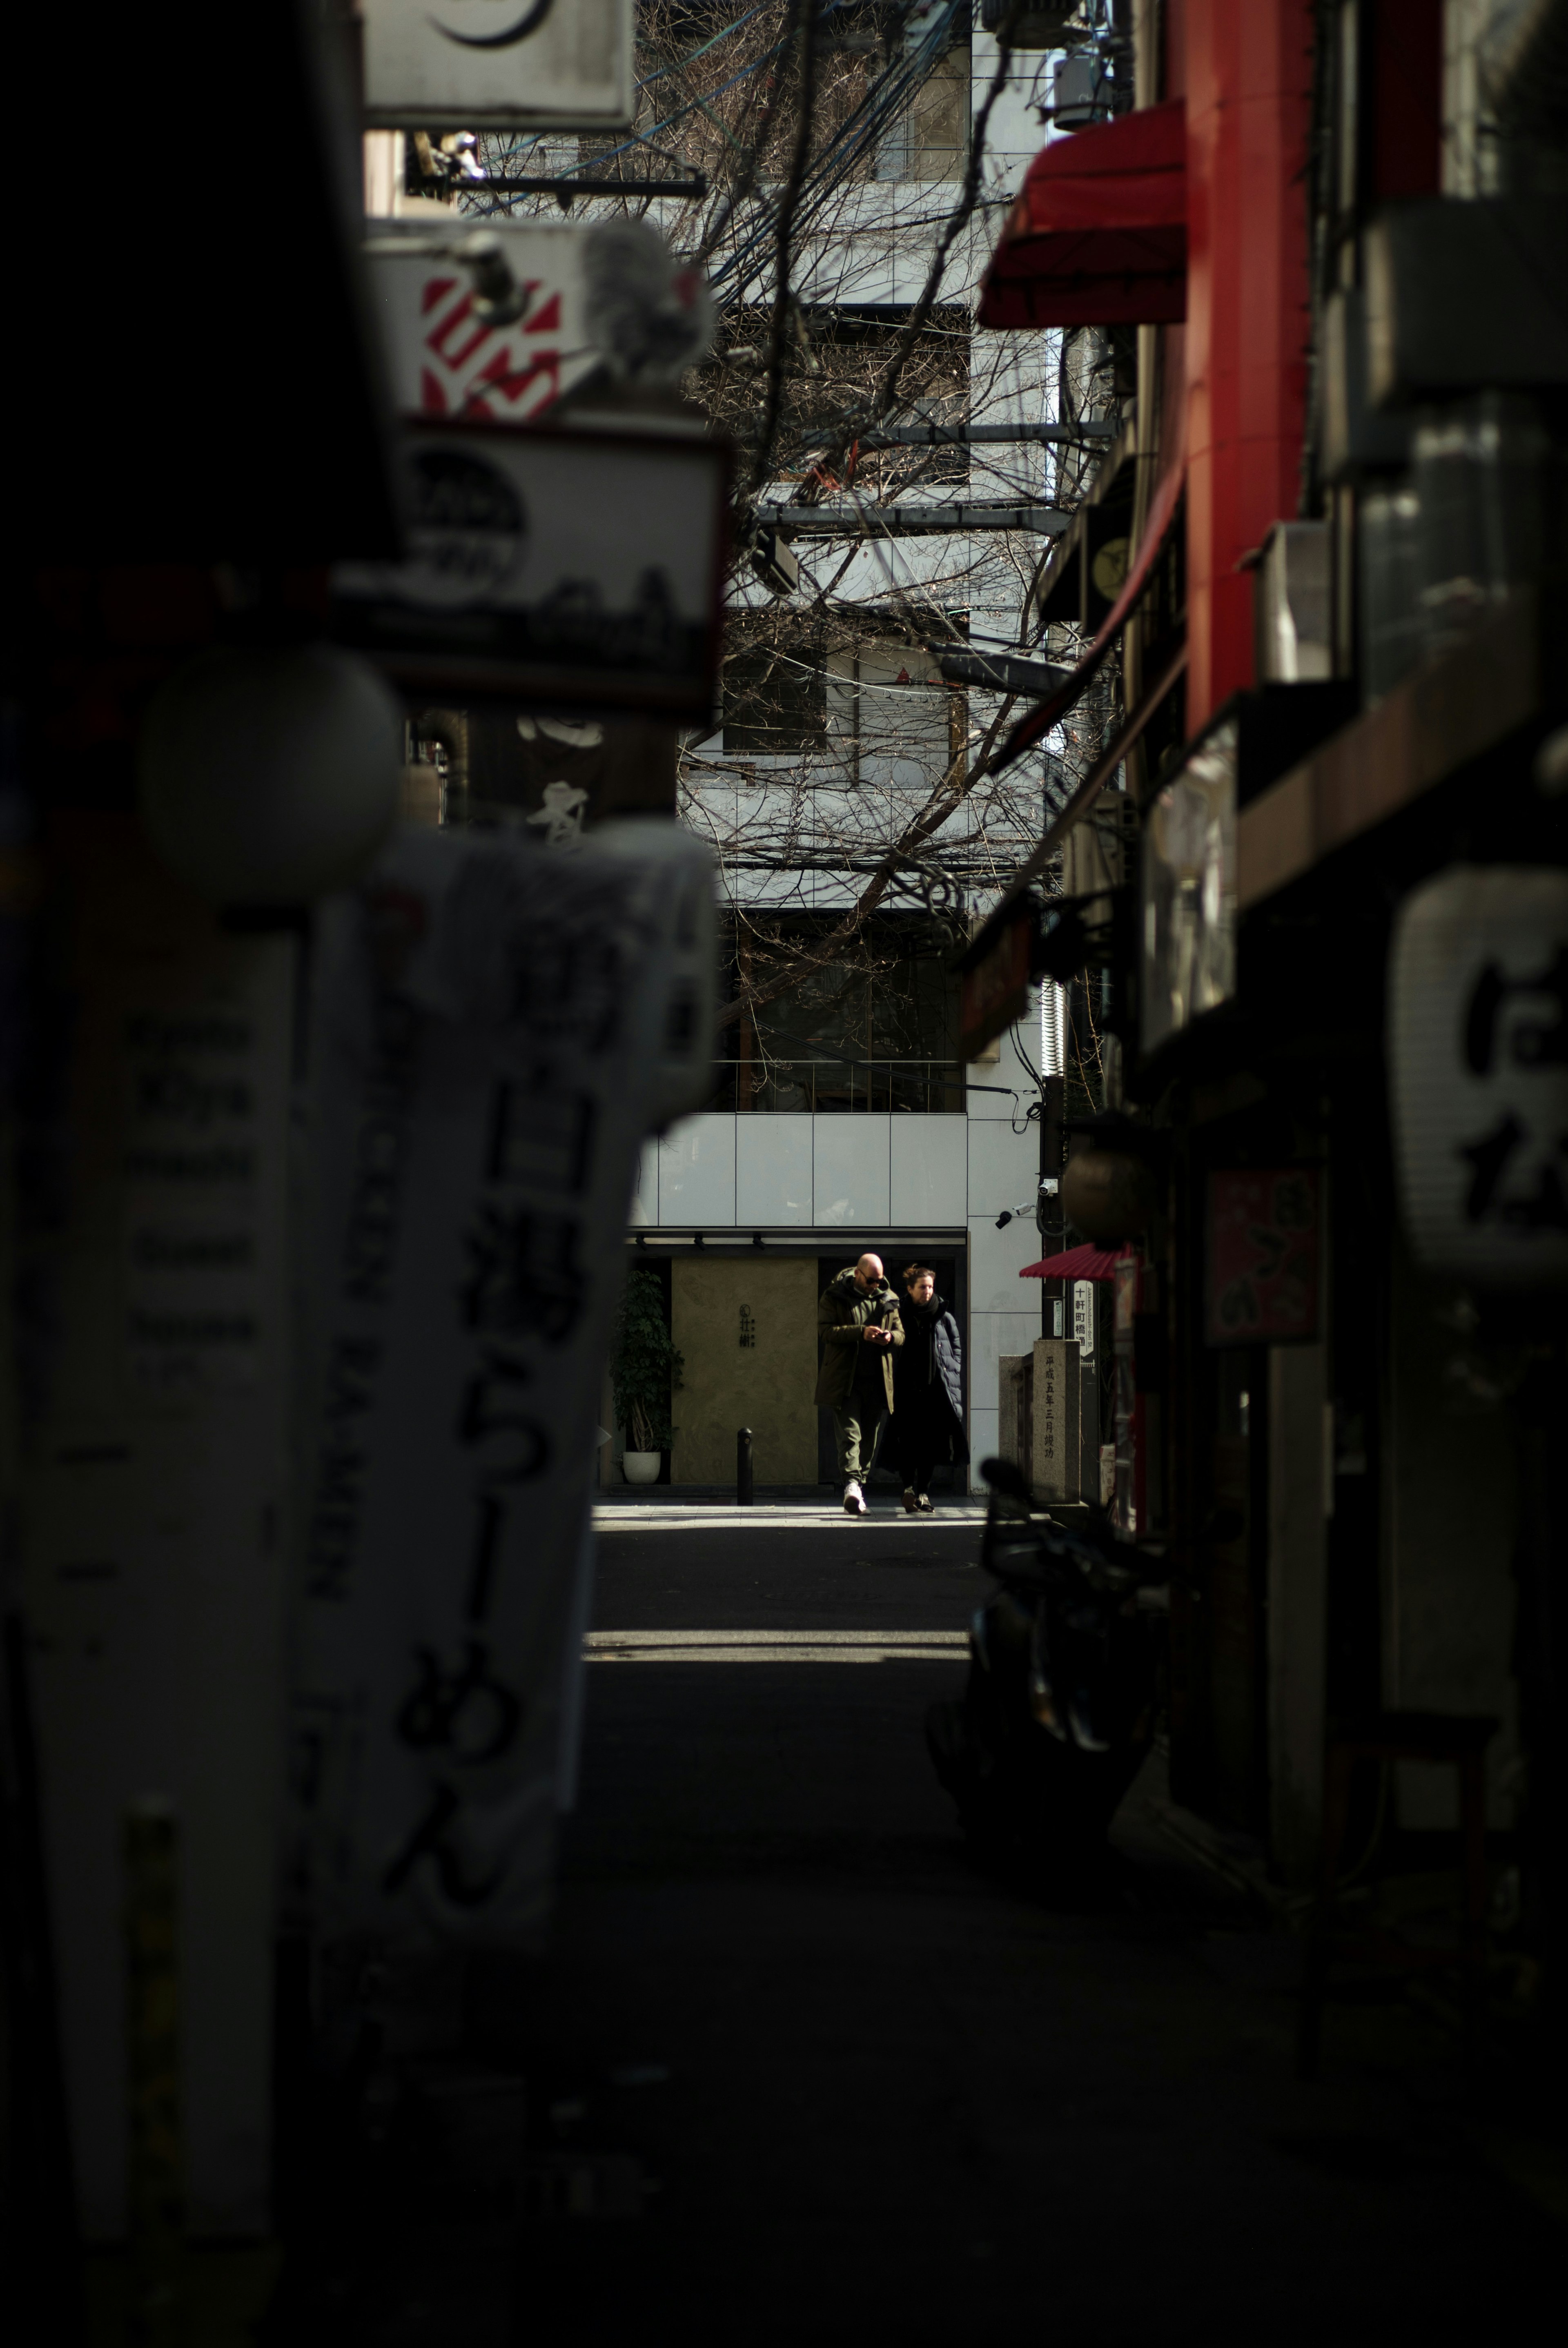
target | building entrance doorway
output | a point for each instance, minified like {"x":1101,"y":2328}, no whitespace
{"x":745,"y":1325}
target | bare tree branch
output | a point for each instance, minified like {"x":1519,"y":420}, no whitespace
{"x":806,"y":25}
{"x":957,"y":220}
{"x":842,"y":793}
{"x":942,"y":804}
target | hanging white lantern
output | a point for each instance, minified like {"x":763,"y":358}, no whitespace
{"x":270,"y":773}
{"x":1477,"y":1056}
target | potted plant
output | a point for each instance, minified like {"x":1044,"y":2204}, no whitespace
{"x":645,"y":1368}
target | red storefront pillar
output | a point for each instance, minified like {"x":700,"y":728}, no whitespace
{"x":1248,"y":76}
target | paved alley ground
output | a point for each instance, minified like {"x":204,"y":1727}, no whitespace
{"x":858,"y":2090}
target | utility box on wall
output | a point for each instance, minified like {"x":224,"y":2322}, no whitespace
{"x":745,"y":1325}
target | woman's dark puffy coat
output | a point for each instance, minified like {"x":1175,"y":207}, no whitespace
{"x":928,"y":1376}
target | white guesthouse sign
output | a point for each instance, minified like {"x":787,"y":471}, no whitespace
{"x":477,"y":65}
{"x":1478,"y":1056}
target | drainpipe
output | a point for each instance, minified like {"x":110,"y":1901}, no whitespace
{"x":1053,"y":1150}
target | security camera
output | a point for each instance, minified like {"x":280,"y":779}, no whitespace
{"x":462,"y":150}
{"x":499,"y":299}
{"x":1007,"y":1214}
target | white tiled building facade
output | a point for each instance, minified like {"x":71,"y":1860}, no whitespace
{"x":844,"y":1182}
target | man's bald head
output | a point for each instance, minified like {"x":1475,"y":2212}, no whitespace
{"x":868,"y":1272}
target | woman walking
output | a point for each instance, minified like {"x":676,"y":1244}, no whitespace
{"x":928,"y":1388}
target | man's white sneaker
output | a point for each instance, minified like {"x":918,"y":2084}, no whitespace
{"x":854,"y":1500}
{"x":911,"y":1501}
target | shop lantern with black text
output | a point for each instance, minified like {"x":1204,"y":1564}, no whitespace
{"x":1477,"y":1051}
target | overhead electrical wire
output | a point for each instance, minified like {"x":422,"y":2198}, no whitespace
{"x":883,"y":102}
{"x":694,"y":105}
{"x":879,"y":107}
{"x":681,"y":63}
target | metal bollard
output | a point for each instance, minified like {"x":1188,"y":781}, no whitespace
{"x":743,"y":1485}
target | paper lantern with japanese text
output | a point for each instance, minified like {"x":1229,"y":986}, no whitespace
{"x":1108,"y":1195}
{"x":1478,"y":1054}
{"x":270,"y":774}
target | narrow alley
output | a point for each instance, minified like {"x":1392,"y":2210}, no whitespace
{"x":784,"y":1178}
{"x":805,"y":2074}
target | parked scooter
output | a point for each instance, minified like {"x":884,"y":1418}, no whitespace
{"x":1066,"y":1660}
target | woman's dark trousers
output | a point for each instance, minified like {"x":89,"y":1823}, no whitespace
{"x":919,"y":1459}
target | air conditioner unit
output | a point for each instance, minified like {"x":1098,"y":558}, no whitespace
{"x":1080,"y":90}
{"x":775,"y":562}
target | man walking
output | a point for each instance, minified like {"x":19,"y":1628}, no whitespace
{"x":858,"y":1321}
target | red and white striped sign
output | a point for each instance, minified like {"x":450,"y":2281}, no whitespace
{"x":447,"y":361}
{"x":502,"y":374}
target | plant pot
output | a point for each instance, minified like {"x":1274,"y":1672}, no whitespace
{"x":642,"y":1467}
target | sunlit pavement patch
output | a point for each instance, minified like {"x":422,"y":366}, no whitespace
{"x":774,"y":1646}
{"x":624,"y":1516}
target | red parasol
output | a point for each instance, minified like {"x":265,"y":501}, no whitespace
{"x":1087,"y":1262}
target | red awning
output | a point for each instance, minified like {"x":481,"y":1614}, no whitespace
{"x":1077,"y":1264}
{"x":1098,"y":235}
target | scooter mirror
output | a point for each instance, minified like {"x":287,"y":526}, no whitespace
{"x":1005,"y":1476}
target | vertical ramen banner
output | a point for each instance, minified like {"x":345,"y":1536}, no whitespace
{"x":490,"y":1046}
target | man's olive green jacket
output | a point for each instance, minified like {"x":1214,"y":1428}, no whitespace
{"x":841,"y":1313}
